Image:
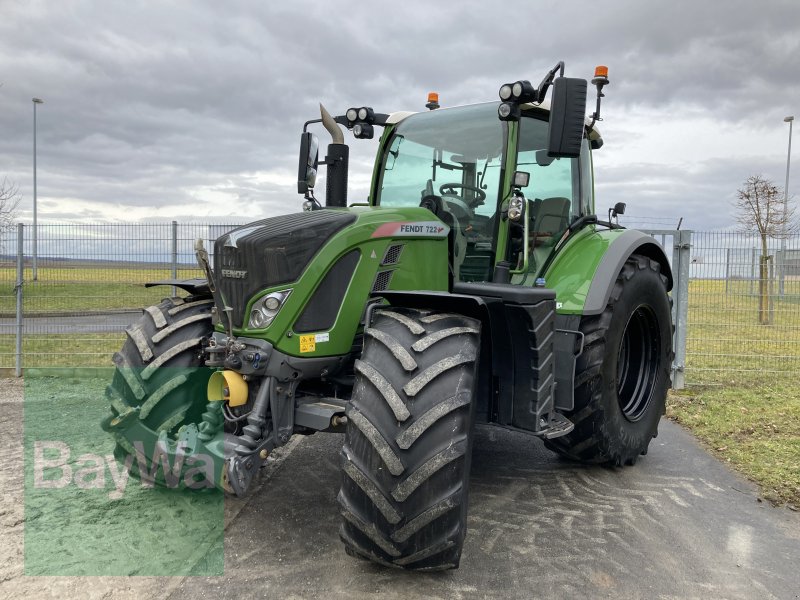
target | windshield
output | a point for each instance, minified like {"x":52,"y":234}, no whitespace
{"x":455,"y":156}
{"x":452,"y":153}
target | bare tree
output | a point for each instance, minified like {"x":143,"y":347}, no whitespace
{"x":761,"y":210}
{"x":9,"y":202}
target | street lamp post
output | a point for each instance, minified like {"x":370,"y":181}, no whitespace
{"x":790,"y":120}
{"x":35,"y":248}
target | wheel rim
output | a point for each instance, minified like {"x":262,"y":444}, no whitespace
{"x":637,"y":363}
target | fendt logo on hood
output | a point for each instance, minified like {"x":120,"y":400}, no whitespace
{"x":234,"y":274}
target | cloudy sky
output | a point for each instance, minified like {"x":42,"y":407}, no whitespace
{"x":192,"y":110}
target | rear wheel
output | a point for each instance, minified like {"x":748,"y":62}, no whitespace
{"x":622,"y":377}
{"x":160,"y":369}
{"x":406,"y":457}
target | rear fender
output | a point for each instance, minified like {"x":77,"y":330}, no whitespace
{"x":630,"y":242}
{"x":584,"y":270}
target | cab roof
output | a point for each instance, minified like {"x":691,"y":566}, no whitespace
{"x":594,"y":133}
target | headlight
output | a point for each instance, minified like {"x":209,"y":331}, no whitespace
{"x":266,"y":308}
{"x":365,"y":113}
{"x":505,"y":91}
{"x":257,"y":319}
{"x":363,"y":131}
{"x":508,"y":111}
{"x":352,"y":114}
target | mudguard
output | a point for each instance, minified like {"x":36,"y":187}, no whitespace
{"x":628,"y":243}
{"x":583,"y":276}
{"x":584,"y":270}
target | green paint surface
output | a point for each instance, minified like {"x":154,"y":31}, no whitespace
{"x":573,"y":268}
{"x":422,"y":266}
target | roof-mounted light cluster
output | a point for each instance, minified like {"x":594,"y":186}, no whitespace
{"x":514,"y":94}
{"x":360,"y":120}
{"x":522,"y":91}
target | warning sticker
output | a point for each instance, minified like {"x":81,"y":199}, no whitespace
{"x":322,"y":337}
{"x":308,"y":343}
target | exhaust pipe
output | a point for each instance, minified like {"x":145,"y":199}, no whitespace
{"x":337,"y":161}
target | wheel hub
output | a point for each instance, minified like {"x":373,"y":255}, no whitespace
{"x":637,"y":363}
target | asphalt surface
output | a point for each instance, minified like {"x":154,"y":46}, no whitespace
{"x":94,"y":323}
{"x":677,"y":525}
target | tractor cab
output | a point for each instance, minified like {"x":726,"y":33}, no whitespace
{"x":510,"y":179}
{"x":466,"y":165}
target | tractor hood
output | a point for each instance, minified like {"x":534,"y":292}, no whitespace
{"x":271,"y":252}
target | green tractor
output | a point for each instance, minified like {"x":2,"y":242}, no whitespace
{"x":476,"y":285}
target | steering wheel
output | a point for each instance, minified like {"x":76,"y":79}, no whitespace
{"x":450,"y":189}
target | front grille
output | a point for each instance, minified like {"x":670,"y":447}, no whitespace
{"x":270,"y":252}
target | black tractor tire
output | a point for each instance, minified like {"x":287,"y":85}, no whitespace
{"x":160,"y":369}
{"x":408,"y":444}
{"x":623,"y":374}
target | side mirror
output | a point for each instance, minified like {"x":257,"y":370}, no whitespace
{"x":567,"y":114}
{"x":309,"y":156}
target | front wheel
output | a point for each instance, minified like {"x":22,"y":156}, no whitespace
{"x":406,"y":457}
{"x":622,"y":377}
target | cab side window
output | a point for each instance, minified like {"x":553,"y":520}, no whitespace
{"x":554,"y":188}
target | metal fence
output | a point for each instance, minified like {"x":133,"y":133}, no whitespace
{"x":743,"y":321}
{"x":88,"y":286}
{"x":69,"y":307}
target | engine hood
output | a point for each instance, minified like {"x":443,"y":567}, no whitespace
{"x":271,"y":252}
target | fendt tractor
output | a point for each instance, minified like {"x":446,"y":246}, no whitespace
{"x":477,"y":284}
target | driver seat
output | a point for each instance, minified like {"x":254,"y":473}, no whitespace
{"x":551,"y":218}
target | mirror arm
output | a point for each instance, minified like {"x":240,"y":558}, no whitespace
{"x":311,"y":122}
{"x":548,"y":80}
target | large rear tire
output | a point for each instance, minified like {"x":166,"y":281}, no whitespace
{"x":622,"y":377}
{"x":160,"y":369}
{"x":406,"y":457}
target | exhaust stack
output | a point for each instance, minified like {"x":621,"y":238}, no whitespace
{"x":337,"y":161}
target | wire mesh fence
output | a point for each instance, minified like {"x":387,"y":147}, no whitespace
{"x":84,"y":283}
{"x":744,"y":308}
{"x":740,"y":319}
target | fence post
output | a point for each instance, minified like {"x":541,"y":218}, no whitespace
{"x":18,"y":291}
{"x":752,"y":270}
{"x":771,"y":290}
{"x":681,"y":257}
{"x":780,"y":255}
{"x":174,"y":256}
{"x":727,"y":269}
